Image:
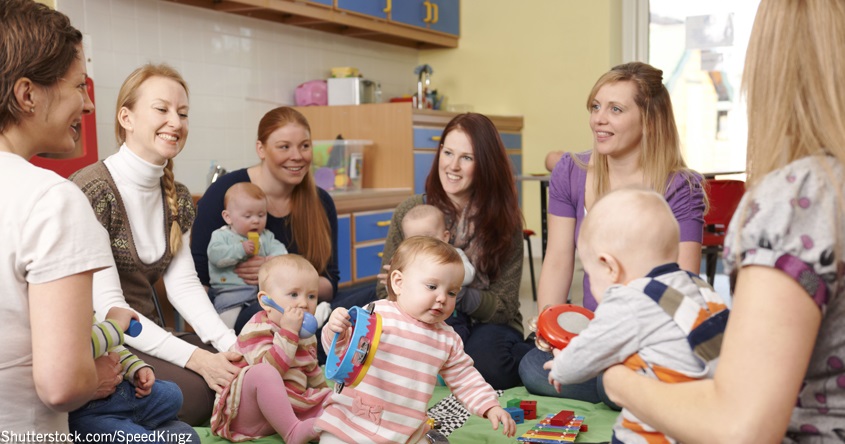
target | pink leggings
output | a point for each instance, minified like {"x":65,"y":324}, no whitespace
{"x":265,"y":408}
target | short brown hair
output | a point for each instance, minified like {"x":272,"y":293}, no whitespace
{"x":270,"y":268}
{"x":244,"y":189}
{"x":435,"y":250}
{"x":36,"y":42}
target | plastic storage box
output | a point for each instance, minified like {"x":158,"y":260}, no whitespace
{"x":338,"y":165}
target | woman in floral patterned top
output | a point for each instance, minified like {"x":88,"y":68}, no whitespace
{"x":782,"y":371}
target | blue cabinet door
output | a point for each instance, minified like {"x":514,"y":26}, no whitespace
{"x":446,"y":16}
{"x":410,"y":12}
{"x":427,"y":138}
{"x":372,"y":226}
{"x":422,"y":165}
{"x":344,"y":248}
{"x":374,"y":8}
{"x":368,"y":261}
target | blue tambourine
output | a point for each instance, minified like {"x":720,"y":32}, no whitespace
{"x":348,"y":367}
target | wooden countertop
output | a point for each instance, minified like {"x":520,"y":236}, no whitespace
{"x":368,"y":199}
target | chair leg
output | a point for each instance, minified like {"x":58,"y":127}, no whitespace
{"x":711,"y":259}
{"x":531,"y":269}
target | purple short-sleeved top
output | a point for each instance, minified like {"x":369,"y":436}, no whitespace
{"x":566,"y":199}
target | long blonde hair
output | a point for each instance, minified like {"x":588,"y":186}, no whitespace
{"x":793,"y":84}
{"x":660,"y":156}
{"x":308,"y":220}
{"x":127,"y":97}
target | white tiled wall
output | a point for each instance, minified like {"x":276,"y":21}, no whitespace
{"x":237,"y":69}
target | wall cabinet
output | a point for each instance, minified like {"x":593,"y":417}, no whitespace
{"x":388,"y":21}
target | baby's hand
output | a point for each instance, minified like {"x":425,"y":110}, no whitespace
{"x":291,"y":319}
{"x":339,"y":321}
{"x":122,"y":316}
{"x":144,"y":380}
{"x":249,"y":247}
{"x":497,"y":415}
{"x":548,"y":366}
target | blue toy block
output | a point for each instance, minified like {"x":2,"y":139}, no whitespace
{"x":516,"y":413}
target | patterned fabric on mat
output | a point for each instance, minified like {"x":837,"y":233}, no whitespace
{"x":450,"y":413}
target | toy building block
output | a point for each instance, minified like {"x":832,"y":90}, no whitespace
{"x":530,"y":409}
{"x":516,"y":413}
{"x":514,"y":402}
{"x":584,"y":428}
{"x":562,"y":418}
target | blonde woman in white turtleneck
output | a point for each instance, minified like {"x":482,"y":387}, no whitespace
{"x":148,"y":216}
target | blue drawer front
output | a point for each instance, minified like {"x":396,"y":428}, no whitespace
{"x":427,"y":138}
{"x":516,"y":163}
{"x":372,"y":226}
{"x":344,"y":248}
{"x":511,"y":140}
{"x":374,"y":8}
{"x":368,"y":261}
{"x":422,"y":166}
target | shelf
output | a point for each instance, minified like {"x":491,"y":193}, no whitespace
{"x":323,"y":18}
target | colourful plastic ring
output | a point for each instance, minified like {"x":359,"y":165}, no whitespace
{"x":350,"y":368}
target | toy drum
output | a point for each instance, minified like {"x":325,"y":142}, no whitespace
{"x":558,"y":324}
{"x":348,"y":366}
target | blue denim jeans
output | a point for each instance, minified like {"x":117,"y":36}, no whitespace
{"x":536,"y":381}
{"x":226,"y":297}
{"x":114,"y":418}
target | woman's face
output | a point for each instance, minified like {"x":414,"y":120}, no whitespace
{"x":457,"y":166}
{"x":615,"y":120}
{"x":287,"y":154}
{"x":157,"y":126}
{"x":63,"y":110}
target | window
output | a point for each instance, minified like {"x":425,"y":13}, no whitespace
{"x":700,"y":46}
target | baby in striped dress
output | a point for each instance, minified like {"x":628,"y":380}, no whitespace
{"x":389,"y":404}
{"x":281,"y":387}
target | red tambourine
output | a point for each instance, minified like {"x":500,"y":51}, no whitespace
{"x":558,"y":324}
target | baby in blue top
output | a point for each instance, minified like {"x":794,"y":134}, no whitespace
{"x":245,"y":214}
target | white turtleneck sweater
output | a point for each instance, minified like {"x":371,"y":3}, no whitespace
{"x":139,"y":184}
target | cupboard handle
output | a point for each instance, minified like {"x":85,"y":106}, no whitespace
{"x":436,"y":138}
{"x":388,"y":7}
{"x":427,"y":18}
{"x":436,"y":13}
{"x":383,"y":223}
{"x":380,"y":254}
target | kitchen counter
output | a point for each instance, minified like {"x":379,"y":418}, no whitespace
{"x":368,"y":199}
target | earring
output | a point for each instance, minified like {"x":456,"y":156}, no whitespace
{"x":32,"y":110}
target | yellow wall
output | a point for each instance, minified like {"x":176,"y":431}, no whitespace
{"x":538,"y":59}
{"x":50,"y":3}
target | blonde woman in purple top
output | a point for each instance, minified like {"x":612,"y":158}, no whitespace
{"x":635,"y":143}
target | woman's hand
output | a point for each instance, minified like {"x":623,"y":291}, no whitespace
{"x":108,"y":375}
{"x":216,"y":368}
{"x":248,"y":270}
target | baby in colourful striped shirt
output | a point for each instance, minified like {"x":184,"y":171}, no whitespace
{"x":389,"y":404}
{"x":281,"y":388}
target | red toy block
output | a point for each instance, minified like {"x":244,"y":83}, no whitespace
{"x":583,"y":428}
{"x":562,"y":418}
{"x":530,"y":409}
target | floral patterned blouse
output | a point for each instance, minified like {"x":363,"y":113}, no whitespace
{"x":792,"y":221}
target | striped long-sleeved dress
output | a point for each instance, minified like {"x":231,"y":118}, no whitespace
{"x":389,"y":405}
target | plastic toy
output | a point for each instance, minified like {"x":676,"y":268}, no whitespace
{"x":309,"y":322}
{"x":134,"y":328}
{"x":253,"y":237}
{"x":516,"y":413}
{"x":530,"y":409}
{"x":558,"y":324}
{"x":545,"y":432}
{"x":348,"y":366}
{"x":514,"y":402}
